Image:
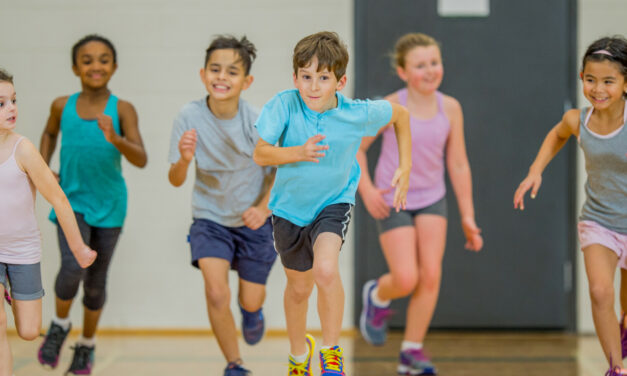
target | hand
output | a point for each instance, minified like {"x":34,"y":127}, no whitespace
{"x":311,"y":149}
{"x":374,"y":202}
{"x":474,"y":241}
{"x":401,"y":182}
{"x":254,"y":217}
{"x":532,"y":181}
{"x":187,"y":145}
{"x":85,"y":256}
{"x":105,"y":123}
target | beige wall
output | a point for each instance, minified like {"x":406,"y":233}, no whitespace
{"x":597,"y":18}
{"x":161,"y":49}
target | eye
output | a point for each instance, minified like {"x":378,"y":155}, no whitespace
{"x":1,"y":104}
{"x":420,"y":66}
{"x":14,"y":101}
{"x":306,"y":76}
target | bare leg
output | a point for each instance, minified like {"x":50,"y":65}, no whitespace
{"x":330,"y":290}
{"x":6,"y":360}
{"x":90,"y":321}
{"x":251,"y":295}
{"x":399,"y":249}
{"x":63,"y":307}
{"x":295,"y":302}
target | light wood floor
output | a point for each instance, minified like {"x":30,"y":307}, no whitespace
{"x":454,"y":354}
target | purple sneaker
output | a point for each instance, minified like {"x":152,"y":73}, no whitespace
{"x":49,"y":350}
{"x":415,"y":362}
{"x":373,"y":320}
{"x":623,"y":337}
{"x":7,"y":297}
{"x":615,"y":371}
{"x":83,"y":360}
{"x":234,"y":369}
{"x":253,"y":326}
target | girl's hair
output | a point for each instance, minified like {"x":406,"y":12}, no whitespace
{"x":5,"y":76}
{"x":244,"y":48}
{"x":406,"y":43}
{"x":93,"y":38}
{"x":613,"y":49}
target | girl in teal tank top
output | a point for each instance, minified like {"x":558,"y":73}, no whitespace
{"x":97,"y":130}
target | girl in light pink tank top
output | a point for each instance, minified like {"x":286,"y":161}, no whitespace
{"x":22,"y":170}
{"x":413,"y":240}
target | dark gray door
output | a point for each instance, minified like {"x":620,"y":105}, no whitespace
{"x":514,"y":73}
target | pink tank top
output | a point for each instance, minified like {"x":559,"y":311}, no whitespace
{"x":20,"y":241}
{"x":429,"y":137}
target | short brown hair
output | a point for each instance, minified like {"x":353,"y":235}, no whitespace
{"x":244,"y":48}
{"x":406,"y":43}
{"x":5,"y":76}
{"x":331,"y":52}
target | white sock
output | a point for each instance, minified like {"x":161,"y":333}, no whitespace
{"x":374,"y":295}
{"x":64,"y":323}
{"x":300,"y":358}
{"x":89,"y":342}
{"x":408,"y":345}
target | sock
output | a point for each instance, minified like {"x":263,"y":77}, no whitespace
{"x":64,"y":323}
{"x":89,"y":342}
{"x":376,"y":300}
{"x":300,"y":358}
{"x":408,"y":345}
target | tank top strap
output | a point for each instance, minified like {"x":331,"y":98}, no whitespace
{"x":16,"y":143}
{"x":402,"y":97}
{"x":112,"y":105}
{"x":440,"y":98}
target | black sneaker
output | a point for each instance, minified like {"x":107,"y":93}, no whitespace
{"x":50,"y":349}
{"x":83,"y":360}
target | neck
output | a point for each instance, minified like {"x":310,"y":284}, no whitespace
{"x":95,"y":94}
{"x":223,"y":109}
{"x":418,"y":96}
{"x":5,"y":134}
{"x":616,"y":110}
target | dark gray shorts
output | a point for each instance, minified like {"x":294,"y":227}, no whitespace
{"x":406,"y":217}
{"x":294,"y":244}
{"x":24,"y":279}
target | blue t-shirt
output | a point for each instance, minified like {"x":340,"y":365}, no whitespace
{"x":302,"y":189}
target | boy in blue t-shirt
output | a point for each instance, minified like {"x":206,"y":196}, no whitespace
{"x":231,"y":229}
{"x":318,"y":132}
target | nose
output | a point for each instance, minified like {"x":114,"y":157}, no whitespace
{"x":314,"y":84}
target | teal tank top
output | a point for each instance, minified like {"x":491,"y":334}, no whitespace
{"x":91,"y":169}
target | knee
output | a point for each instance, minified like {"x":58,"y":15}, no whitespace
{"x":250,"y":305}
{"x":298,"y":292}
{"x":218,"y":296}
{"x":94,"y":297}
{"x":325,"y":275}
{"x":405,"y":282}
{"x":29,"y":332}
{"x":429,"y":279}
{"x":602,"y":294}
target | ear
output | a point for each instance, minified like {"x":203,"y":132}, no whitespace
{"x":295,"y":78}
{"x":248,"y":81}
{"x":202,"y":75}
{"x":341,"y":83}
{"x":75,"y":70}
{"x":400,"y":71}
{"x":581,"y":75}
{"x":115,"y":67}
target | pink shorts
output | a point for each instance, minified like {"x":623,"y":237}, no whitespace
{"x":593,"y":233}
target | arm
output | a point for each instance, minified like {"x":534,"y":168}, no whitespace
{"x":49,"y":136}
{"x":255,"y":216}
{"x":400,"y":120}
{"x":459,"y":172}
{"x":553,"y":143}
{"x":266,"y":154}
{"x":187,"y":148}
{"x":370,"y":194}
{"x":130,"y":143}
{"x":34,"y":165}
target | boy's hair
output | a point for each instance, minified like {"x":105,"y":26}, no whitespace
{"x":93,"y":38}
{"x":331,"y":52}
{"x":244,"y":48}
{"x":613,"y":49}
{"x":408,"y":42}
{"x":5,"y":76}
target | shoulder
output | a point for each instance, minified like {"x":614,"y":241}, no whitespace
{"x":25,"y":149}
{"x":450,"y":104}
{"x":125,"y":107}
{"x":248,"y":110}
{"x":393,"y":97}
{"x":571,"y":119}
{"x":58,"y":104}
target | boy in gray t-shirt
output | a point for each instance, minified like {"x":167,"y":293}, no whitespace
{"x":231,"y":227}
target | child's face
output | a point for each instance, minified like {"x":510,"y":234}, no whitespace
{"x":423,"y":69}
{"x":8,"y":106}
{"x":603,"y":83}
{"x":318,"y":88}
{"x":225,"y":75}
{"x":94,"y":65}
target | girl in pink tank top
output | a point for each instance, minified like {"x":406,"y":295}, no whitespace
{"x":413,"y":240}
{"x":22,"y":170}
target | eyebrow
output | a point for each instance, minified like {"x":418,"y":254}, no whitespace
{"x":230,"y":66}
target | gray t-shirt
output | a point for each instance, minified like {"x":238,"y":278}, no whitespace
{"x":228,"y":181}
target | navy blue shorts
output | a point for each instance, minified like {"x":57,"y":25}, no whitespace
{"x":250,"y":252}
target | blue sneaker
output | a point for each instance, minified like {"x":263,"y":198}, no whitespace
{"x":234,"y":369}
{"x":373,"y":320}
{"x":415,"y":362}
{"x":253,"y":326}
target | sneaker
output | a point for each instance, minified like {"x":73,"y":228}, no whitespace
{"x":83,"y":360}
{"x":252,"y":326}
{"x":234,"y":369}
{"x":7,"y":297}
{"x":623,"y":337}
{"x":49,"y":350}
{"x":304,"y":368}
{"x":373,"y":320}
{"x":332,"y":361}
{"x":415,"y":362}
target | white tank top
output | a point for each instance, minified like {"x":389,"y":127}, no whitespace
{"x":20,"y":240}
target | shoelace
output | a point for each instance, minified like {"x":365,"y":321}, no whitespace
{"x":53,"y":342}
{"x":332,"y":360}
{"x":298,"y":369}
{"x":81,"y":357}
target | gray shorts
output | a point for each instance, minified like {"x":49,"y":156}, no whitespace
{"x":406,"y":217}
{"x":24,"y":279}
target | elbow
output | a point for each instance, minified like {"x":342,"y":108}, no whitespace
{"x":142,"y":161}
{"x":258,"y":159}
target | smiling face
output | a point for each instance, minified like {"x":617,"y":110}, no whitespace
{"x":94,"y":65}
{"x":318,"y":88}
{"x":603,"y":83}
{"x":423,"y":69}
{"x":8,"y":106}
{"x":225,"y":76}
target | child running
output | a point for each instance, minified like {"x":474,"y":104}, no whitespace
{"x":318,"y":132}
{"x":22,"y":171}
{"x":98,"y":129}
{"x":602,"y":135}
{"x":413,"y":240}
{"x":231,"y":227}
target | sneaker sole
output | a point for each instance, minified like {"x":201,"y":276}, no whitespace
{"x":406,"y":370}
{"x":364,"y":313}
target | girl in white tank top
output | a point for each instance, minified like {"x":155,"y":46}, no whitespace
{"x":22,"y":170}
